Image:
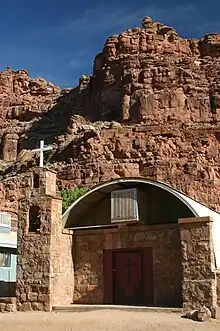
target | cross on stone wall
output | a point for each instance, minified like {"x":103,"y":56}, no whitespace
{"x":42,"y":149}
{"x":129,"y":265}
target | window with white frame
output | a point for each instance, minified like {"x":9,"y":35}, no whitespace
{"x":5,"y":260}
{"x":5,"y":220}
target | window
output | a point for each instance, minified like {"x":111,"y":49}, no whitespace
{"x":5,"y":260}
{"x":34,"y":219}
{"x":5,"y":220}
{"x":124,"y":205}
{"x":36,"y":181}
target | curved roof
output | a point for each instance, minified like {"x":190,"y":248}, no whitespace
{"x":197,"y":209}
{"x":95,"y":194}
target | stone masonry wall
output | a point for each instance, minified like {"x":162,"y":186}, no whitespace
{"x":33,"y":261}
{"x":88,"y":257}
{"x":198,"y":264}
{"x":44,"y":264}
{"x":218,"y":287}
{"x":7,"y":304}
{"x":61,"y":261}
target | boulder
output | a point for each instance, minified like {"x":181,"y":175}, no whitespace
{"x":202,"y":314}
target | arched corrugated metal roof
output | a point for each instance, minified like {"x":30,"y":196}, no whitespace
{"x":198,"y":209}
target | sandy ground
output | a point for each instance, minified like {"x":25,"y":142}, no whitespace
{"x":101,"y":320}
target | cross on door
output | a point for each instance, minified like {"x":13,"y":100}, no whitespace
{"x":42,"y":149}
{"x":129,"y":265}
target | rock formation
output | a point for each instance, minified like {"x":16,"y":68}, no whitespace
{"x":151,"y":109}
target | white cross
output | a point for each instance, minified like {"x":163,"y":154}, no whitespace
{"x":42,"y":149}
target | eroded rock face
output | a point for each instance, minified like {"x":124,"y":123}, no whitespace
{"x":24,"y":98}
{"x":23,"y":101}
{"x":150,"y":109}
{"x":146,"y":74}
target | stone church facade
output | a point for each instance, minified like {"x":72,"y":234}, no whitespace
{"x":169,"y":256}
{"x":148,"y":120}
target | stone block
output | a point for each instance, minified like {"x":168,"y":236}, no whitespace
{"x":46,"y":306}
{"x":204,"y":314}
{"x":216,"y":312}
{"x":43,"y":298}
{"x":197,"y":293}
{"x":7,"y":300}
{"x":2,"y":307}
{"x":23,"y":297}
{"x":11,"y":307}
{"x":32,"y":296}
{"x":26,"y":306}
{"x":37,"y":306}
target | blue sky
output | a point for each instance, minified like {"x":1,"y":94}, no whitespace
{"x":58,"y":39}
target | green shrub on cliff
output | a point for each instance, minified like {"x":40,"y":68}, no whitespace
{"x":71,"y":195}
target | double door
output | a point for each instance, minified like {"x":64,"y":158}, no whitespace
{"x":128,"y":277}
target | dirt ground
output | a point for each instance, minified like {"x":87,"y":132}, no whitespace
{"x":102,"y":320}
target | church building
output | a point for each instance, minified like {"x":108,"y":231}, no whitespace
{"x":128,"y":241}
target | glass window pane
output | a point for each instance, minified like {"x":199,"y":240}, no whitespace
{"x":5,"y":260}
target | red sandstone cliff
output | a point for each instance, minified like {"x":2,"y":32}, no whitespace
{"x":151,"y":108}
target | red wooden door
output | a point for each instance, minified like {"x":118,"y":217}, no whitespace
{"x":128,"y":277}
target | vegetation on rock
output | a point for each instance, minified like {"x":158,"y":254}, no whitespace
{"x":71,"y":195}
